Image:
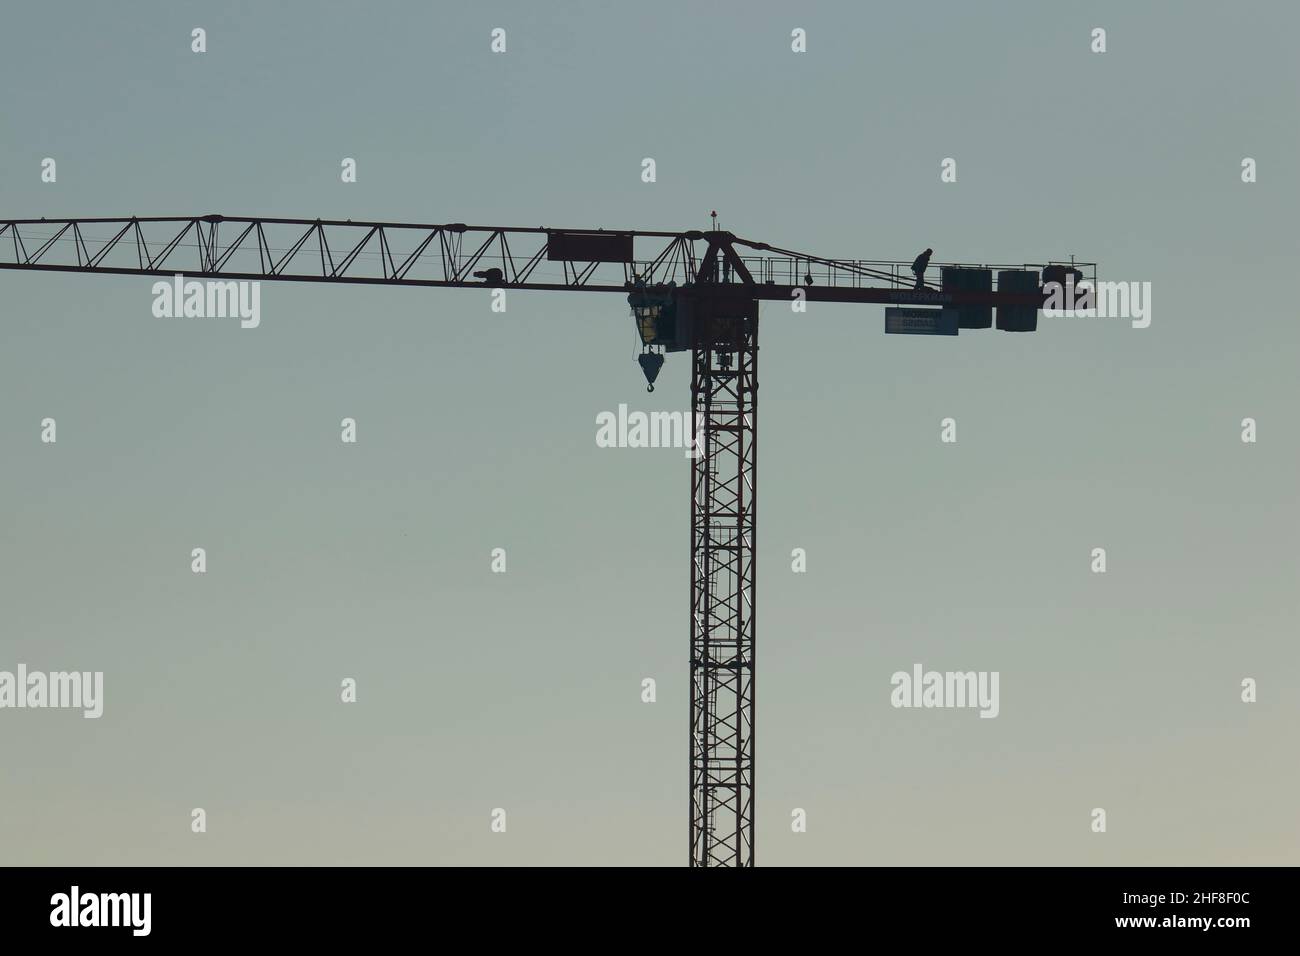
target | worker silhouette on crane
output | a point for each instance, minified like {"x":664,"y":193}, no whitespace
{"x":919,"y":265}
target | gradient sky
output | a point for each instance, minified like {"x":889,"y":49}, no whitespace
{"x":477,"y":430}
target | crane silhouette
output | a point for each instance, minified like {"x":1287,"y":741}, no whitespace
{"x":688,"y":291}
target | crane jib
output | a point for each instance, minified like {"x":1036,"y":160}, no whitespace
{"x":461,"y":255}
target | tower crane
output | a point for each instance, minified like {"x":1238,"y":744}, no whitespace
{"x":696,"y":291}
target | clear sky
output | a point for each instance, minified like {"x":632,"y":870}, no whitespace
{"x":476,"y":431}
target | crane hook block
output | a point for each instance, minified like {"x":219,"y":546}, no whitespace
{"x":651,"y":363}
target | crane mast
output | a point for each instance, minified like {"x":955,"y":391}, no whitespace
{"x":724,"y":497}
{"x":696,"y":291}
